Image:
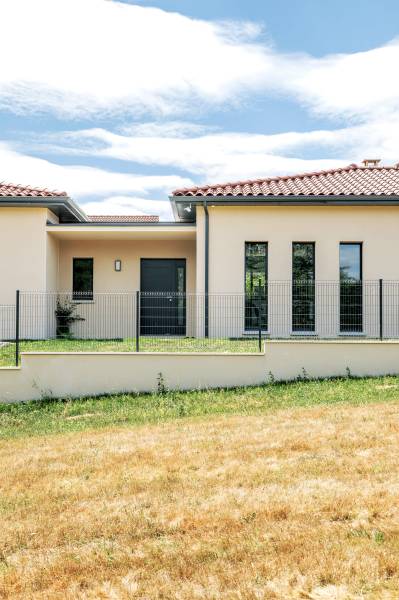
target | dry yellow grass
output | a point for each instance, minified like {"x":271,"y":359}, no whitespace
{"x":300,"y":503}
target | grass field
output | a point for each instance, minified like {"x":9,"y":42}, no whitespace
{"x":285,"y":491}
{"x":147,"y":344}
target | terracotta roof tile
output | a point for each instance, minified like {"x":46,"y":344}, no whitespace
{"x":348,"y":181}
{"x":124,"y":218}
{"x":13,"y":190}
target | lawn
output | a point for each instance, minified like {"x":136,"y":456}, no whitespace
{"x":147,"y":344}
{"x":283,"y":491}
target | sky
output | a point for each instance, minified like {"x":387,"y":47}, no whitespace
{"x":120,"y":103}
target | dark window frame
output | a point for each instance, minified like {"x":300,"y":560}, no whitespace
{"x":360,"y":244}
{"x":351,"y":297}
{"x":303,"y":291}
{"x":251,"y":320}
{"x":313,"y":244}
{"x":79,"y":295}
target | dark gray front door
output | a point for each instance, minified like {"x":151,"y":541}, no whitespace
{"x":163,"y":302}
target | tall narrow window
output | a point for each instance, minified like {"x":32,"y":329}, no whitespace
{"x":255,"y":285}
{"x":351,"y":288}
{"x":303,"y":286}
{"x":82,"y":279}
{"x":181,"y":297}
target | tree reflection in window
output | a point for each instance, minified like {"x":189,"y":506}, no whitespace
{"x":256,"y":285}
{"x":351,"y":287}
{"x":303,"y":286}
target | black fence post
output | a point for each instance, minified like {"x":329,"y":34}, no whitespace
{"x":381,"y":304}
{"x":17,"y":317}
{"x":206,"y":314}
{"x":259,"y":317}
{"x":137,"y":321}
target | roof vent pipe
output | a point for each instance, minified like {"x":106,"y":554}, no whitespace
{"x":371,"y":162}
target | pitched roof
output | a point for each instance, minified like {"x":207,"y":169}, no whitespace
{"x":12,"y":190}
{"x":353,"y":180}
{"x":124,"y":218}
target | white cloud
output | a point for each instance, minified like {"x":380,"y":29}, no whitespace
{"x":97,"y":57}
{"x":179,"y":129}
{"x":209,"y":157}
{"x":360,"y":86}
{"x":82,"y":57}
{"x":85,"y":57}
{"x":129,"y":205}
{"x":81,"y":181}
{"x":230,"y":156}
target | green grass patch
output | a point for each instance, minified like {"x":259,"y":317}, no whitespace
{"x":147,"y":344}
{"x":56,"y":416}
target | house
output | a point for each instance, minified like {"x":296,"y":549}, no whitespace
{"x":311,"y":255}
{"x":300,"y":227}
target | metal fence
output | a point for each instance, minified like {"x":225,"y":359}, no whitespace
{"x":177,"y":322}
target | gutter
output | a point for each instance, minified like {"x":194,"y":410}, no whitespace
{"x":206,"y":268}
{"x":100,"y":224}
{"x":338,"y":200}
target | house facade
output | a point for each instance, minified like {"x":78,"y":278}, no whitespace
{"x":290,"y":244}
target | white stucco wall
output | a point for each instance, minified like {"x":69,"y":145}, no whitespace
{"x":104,"y":252}
{"x":327,"y":226}
{"x":230,"y":227}
{"x":52,"y":263}
{"x":31,"y":259}
{"x":28,"y":261}
{"x":22,"y":251}
{"x":112,"y":314}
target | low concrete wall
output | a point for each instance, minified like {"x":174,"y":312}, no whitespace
{"x":63,"y":375}
{"x":78,"y":374}
{"x":330,"y":358}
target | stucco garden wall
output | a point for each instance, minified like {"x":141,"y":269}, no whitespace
{"x":71,"y":375}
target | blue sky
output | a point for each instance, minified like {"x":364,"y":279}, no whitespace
{"x":119,"y":103}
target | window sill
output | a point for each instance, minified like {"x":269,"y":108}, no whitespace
{"x":303,"y":333}
{"x":352,"y":334}
{"x":256,"y":332}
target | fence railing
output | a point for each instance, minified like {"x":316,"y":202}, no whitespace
{"x":157,"y":322}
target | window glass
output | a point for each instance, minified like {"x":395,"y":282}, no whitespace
{"x":255,"y":285}
{"x":350,"y":262}
{"x":83,"y":278}
{"x":303,"y":261}
{"x":351,"y":288}
{"x":181,"y":298}
{"x":303,"y":286}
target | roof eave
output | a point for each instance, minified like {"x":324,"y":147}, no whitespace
{"x":182,"y":216}
{"x":146,"y":224}
{"x":290,"y":200}
{"x":174,"y":208}
{"x":57,"y":204}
